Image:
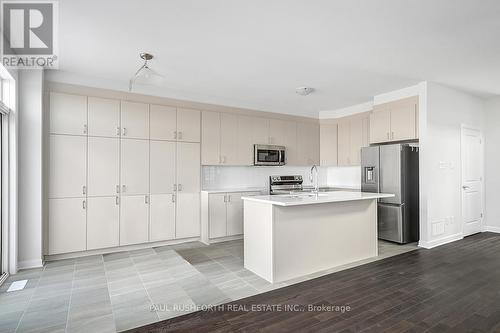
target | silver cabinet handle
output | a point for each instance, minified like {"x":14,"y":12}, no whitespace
{"x":225,"y":198}
{"x":84,"y":189}
{"x":146,"y":199}
{"x":124,"y":188}
{"x":465,"y":187}
{"x":118,"y":130}
{"x":117,"y":200}
{"x":392,"y":135}
{"x":179,"y":187}
{"x":175,"y":134}
{"x":173,"y":198}
{"x":124,"y":131}
{"x":229,"y":198}
{"x":388,"y":135}
{"x":179,"y":134}
{"x":117,"y":188}
{"x":84,"y":128}
{"x":175,"y":187}
{"x":84,"y":204}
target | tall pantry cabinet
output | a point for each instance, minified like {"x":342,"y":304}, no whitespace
{"x":120,"y":173}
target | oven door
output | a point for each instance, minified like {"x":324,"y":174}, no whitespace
{"x":267,"y":155}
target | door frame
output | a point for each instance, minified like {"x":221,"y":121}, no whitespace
{"x":481,"y":162}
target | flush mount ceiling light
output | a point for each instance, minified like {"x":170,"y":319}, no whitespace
{"x":304,"y":91}
{"x":144,"y":74}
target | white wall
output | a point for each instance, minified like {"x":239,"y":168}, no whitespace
{"x":443,"y":113}
{"x":30,"y":154}
{"x":492,"y":165}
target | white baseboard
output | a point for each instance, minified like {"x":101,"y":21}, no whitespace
{"x":491,"y":229}
{"x":440,"y":241}
{"x":26,"y":264}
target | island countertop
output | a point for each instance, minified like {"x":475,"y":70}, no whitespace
{"x":311,"y":198}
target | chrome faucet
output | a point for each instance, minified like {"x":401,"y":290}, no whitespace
{"x":314,"y":180}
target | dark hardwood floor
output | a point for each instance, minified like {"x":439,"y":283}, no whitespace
{"x":452,"y":288}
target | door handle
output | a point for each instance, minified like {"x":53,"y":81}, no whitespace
{"x":84,"y":128}
{"x":179,"y":134}
{"x":124,"y":131}
{"x":392,"y":135}
{"x":175,"y":134}
{"x":146,"y":199}
{"x":117,"y":188}
{"x":173,"y":198}
{"x":84,"y":204}
{"x":123,"y":188}
{"x":465,"y":187}
{"x":117,"y":200}
{"x":118,"y":130}
{"x":179,"y":187}
{"x":84,"y":189}
{"x":175,"y":187}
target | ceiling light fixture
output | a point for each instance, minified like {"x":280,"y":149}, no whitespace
{"x":144,"y":74}
{"x":304,"y":91}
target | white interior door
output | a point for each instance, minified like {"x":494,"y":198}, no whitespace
{"x":103,"y":222}
{"x":472,"y":181}
{"x":134,"y":219}
{"x":104,"y":166}
{"x":162,"y":166}
{"x":104,"y":117}
{"x":134,"y":166}
{"x":68,"y":166}
{"x":162,"y":215}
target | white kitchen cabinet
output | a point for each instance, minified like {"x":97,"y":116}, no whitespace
{"x":210,"y":138}
{"x":307,"y":143}
{"x":134,"y":120}
{"x":229,"y":139}
{"x":103,"y":222}
{"x":162,"y":217}
{"x":68,"y":166}
{"x":403,"y":122}
{"x":187,"y":223}
{"x":68,"y":114}
{"x":103,"y":166}
{"x":251,"y":130}
{"x":352,"y":135}
{"x":284,"y":133}
{"x":235,"y":213}
{"x":380,"y":125}
{"x":394,"y":121}
{"x":344,"y":142}
{"x":163,"y":122}
{"x":217,"y":212}
{"x":356,"y":140}
{"x":162,"y":167}
{"x":134,"y":219}
{"x":188,"y":125}
{"x":67,"y":225}
{"x":134,"y":175}
{"x":104,"y":117}
{"x":188,"y":167}
{"x":328,"y":144}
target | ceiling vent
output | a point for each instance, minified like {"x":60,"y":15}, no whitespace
{"x":304,"y":91}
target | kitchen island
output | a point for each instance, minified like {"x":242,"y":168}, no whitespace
{"x":289,"y":236}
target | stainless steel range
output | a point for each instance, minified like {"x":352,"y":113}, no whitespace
{"x":285,"y":184}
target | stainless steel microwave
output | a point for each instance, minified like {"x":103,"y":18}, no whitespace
{"x":269,"y":155}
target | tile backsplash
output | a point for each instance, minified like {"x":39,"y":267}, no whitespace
{"x":221,"y":177}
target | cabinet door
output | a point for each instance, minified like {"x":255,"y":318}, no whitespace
{"x":134,"y":219}
{"x":162,"y":217}
{"x":135,"y":120}
{"x":217,"y":215}
{"x":328,"y":144}
{"x":134,"y":166}
{"x":103,"y":166}
{"x":188,"y":167}
{"x":187,"y":222}
{"x":251,"y":130}
{"x":308,"y":143}
{"x":188,"y":125}
{"x":403,"y":122}
{"x":284,"y":133}
{"x":67,"y":225}
{"x":162,"y":167}
{"x":68,"y":166}
{"x":68,"y":114}
{"x":104,"y":117}
{"x":103,"y":222}
{"x":210,"y":138}
{"x":234,"y":214}
{"x":163,"y":122}
{"x":344,"y":142}
{"x":380,"y":125}
{"x":356,"y":141}
{"x":229,"y":139}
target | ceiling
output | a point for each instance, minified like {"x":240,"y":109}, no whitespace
{"x":253,"y":54}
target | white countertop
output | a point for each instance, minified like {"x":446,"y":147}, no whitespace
{"x":235,"y":189}
{"x":322,"y":197}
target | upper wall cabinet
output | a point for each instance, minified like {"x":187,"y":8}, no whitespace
{"x":188,"y":125}
{"x":210,"y":138}
{"x":328,"y":143}
{"x":284,"y":133}
{"x":394,"y":121}
{"x":251,"y":130}
{"x":163,"y":122}
{"x":104,"y":117}
{"x":134,"y":120}
{"x":68,"y":114}
{"x":307,"y":143}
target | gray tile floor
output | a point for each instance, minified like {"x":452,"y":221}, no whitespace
{"x":115,"y":292}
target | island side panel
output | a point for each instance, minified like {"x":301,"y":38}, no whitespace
{"x":311,"y":238}
{"x":258,"y":238}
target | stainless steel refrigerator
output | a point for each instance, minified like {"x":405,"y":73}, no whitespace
{"x":393,"y":169}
